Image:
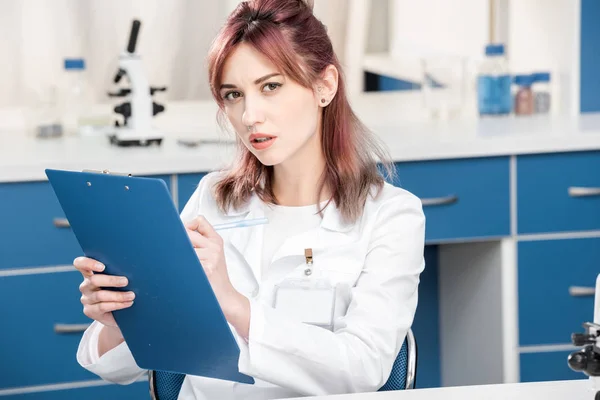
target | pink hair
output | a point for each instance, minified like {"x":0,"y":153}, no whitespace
{"x":288,"y":34}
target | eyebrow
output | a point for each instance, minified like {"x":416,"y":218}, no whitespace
{"x":256,"y":82}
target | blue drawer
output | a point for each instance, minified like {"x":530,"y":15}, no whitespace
{"x":135,"y":391}
{"x":186,"y":184}
{"x":29,"y":236}
{"x":548,"y":313}
{"x":32,"y":353}
{"x":472,"y":196}
{"x":543,"y":198}
{"x":550,"y":366}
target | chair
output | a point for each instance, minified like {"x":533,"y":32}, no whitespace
{"x":404,"y":370}
{"x":166,"y":385}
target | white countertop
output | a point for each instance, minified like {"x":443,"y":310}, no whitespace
{"x":560,"y":390}
{"x":24,"y":158}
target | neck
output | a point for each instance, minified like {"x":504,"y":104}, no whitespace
{"x":296,"y":181}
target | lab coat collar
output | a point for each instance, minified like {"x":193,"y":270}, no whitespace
{"x":249,"y":241}
{"x":332,"y":217}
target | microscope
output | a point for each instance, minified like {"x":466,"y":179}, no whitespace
{"x":587,"y":360}
{"x":138,"y":110}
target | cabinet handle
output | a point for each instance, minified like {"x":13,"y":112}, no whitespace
{"x":439,"y":201}
{"x":578,"y":191}
{"x":70,"y":328}
{"x":61,"y":223}
{"x":579,"y":291}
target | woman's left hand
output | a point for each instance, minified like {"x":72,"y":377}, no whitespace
{"x":209,"y":248}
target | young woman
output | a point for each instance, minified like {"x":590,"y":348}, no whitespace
{"x":309,"y":166}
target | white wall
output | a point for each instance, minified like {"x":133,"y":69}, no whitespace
{"x":544,"y":35}
{"x":438,"y":26}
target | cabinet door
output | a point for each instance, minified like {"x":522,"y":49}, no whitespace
{"x":549,"y":272}
{"x":463,"y":198}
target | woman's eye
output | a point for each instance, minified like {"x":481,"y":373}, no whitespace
{"x":232,"y":95}
{"x":269,"y":87}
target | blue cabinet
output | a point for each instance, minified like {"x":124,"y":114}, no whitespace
{"x":186,"y":185}
{"x":33,"y":353}
{"x":135,"y":391}
{"x":558,"y":192}
{"x":463,"y":198}
{"x":548,"y":313}
{"x":547,"y":366}
{"x":30,"y":236}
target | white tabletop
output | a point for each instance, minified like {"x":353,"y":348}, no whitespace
{"x":24,"y":158}
{"x":559,"y":390}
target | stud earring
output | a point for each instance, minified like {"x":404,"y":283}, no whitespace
{"x":323,"y":101}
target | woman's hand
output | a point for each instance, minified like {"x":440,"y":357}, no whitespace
{"x":99,"y":304}
{"x":209,"y":248}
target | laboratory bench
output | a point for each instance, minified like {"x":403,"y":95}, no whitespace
{"x":513,"y":243}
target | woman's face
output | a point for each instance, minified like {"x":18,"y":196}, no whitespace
{"x":275,"y":117}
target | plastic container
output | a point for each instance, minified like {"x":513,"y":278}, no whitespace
{"x":45,"y":116}
{"x":493,"y":83}
{"x":76,"y":97}
{"x":524,"y":103}
{"x":542,"y":98}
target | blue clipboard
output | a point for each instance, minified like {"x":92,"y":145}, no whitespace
{"x":132,"y":226}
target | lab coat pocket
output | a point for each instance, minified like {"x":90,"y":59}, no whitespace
{"x":339,"y":267}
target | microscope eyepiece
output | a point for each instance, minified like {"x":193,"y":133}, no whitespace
{"x":133,"y":35}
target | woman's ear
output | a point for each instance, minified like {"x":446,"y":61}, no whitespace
{"x":327,"y":85}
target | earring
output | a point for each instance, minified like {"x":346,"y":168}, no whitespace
{"x":323,"y":101}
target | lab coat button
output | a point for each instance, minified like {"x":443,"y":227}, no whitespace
{"x":307,"y":271}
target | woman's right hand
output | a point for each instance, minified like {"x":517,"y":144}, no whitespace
{"x":98,"y":304}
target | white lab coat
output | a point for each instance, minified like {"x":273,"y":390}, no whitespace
{"x":375,"y":264}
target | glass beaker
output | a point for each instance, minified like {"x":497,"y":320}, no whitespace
{"x":443,"y":86}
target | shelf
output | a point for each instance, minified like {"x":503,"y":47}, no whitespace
{"x":403,"y":69}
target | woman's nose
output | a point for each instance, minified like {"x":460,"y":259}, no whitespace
{"x":253,"y":112}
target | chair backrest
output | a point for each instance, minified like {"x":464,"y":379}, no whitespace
{"x":166,"y":385}
{"x":404,"y":370}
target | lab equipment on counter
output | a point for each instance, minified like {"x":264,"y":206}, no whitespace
{"x":176,"y":323}
{"x":444,"y":80}
{"x":587,"y":360}
{"x":45,"y":116}
{"x":494,"y":83}
{"x":541,"y":93}
{"x":76,"y":97}
{"x":524,"y":102}
{"x":136,"y":128}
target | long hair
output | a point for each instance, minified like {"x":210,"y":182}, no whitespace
{"x":288,"y":34}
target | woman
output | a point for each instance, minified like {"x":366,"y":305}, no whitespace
{"x":309,"y":166}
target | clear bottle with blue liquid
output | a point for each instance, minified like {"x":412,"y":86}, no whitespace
{"x":494,"y":83}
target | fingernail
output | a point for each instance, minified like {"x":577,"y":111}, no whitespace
{"x":130,"y":296}
{"x":100,"y":266}
{"x":123,"y":281}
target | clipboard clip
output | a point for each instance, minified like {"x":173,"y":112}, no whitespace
{"x":105,"y":171}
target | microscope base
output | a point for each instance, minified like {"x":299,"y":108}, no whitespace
{"x":114,"y":139}
{"x":127,"y":137}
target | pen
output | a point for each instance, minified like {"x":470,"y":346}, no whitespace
{"x":241,"y":223}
